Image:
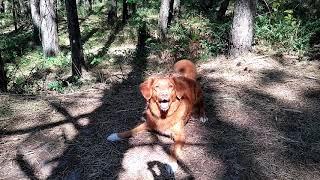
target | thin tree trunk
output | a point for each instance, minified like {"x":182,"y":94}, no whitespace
{"x":6,"y":6}
{"x":27,"y":10}
{"x":206,"y":4}
{"x":164,"y":18}
{"x":176,"y":7}
{"x":3,"y":77}
{"x":133,"y":8}
{"x":57,"y":16}
{"x":222,"y":10}
{"x":124,"y":10}
{"x":18,"y":8}
{"x":90,"y":5}
{"x":49,"y":32}
{"x":112,"y":13}
{"x":36,"y":20}
{"x":14,"y":15}
{"x":242,"y":31}
{"x":74,"y":37}
{"x":2,"y":6}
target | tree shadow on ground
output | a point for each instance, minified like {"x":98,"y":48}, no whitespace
{"x":288,"y":134}
{"x":224,"y":140}
{"x":72,"y":164}
{"x":113,"y":34}
{"x":25,"y":167}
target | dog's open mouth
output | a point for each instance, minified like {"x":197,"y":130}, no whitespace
{"x":164,"y":105}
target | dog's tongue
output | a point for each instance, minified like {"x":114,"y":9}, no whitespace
{"x":164,"y":106}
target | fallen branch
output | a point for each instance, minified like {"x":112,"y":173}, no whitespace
{"x":292,"y":110}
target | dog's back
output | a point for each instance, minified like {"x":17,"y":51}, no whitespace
{"x":186,"y":68}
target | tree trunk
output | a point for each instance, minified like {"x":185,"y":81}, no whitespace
{"x":3,"y":77}
{"x":223,"y":9}
{"x":2,"y":6}
{"x":48,"y":26}
{"x":74,"y":37}
{"x":133,"y":8}
{"x":176,"y":7}
{"x":241,"y":36}
{"x":124,"y":10}
{"x":206,"y":4}
{"x":90,"y":5}
{"x":35,"y":14}
{"x":112,"y":13}
{"x":18,"y":8}
{"x":164,"y":18}
{"x":14,"y":15}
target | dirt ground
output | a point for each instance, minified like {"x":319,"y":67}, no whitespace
{"x":264,"y":123}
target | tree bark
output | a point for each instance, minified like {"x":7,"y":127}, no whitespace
{"x":74,"y":37}
{"x":176,"y":7}
{"x":124,"y":10}
{"x":3,"y":77}
{"x":48,"y":26}
{"x":2,"y":6}
{"x":223,"y":9}
{"x":133,"y":8}
{"x":112,"y":12}
{"x":164,"y":18}
{"x":242,"y":31}
{"x":90,"y":5}
{"x":35,"y":14}
{"x":14,"y":15}
{"x":206,"y":4}
{"x":18,"y":8}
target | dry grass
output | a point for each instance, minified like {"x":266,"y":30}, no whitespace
{"x":263,"y":124}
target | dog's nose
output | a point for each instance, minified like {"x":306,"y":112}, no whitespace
{"x":164,"y":96}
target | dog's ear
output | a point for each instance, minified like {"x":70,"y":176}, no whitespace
{"x":180,"y":86}
{"x":146,"y":88}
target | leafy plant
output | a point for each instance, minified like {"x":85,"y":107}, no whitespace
{"x":56,"y":86}
{"x":285,"y":28}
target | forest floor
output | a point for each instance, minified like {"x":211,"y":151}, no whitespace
{"x":264,"y":123}
{"x":263,"y":110}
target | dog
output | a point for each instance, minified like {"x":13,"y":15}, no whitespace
{"x":170,"y":102}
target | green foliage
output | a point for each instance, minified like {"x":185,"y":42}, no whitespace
{"x":60,"y":61}
{"x":211,"y":36}
{"x":56,"y":86}
{"x":220,"y":36}
{"x":284,"y":30}
{"x":5,"y":19}
{"x":96,"y":61}
{"x":132,"y":1}
{"x":68,"y":84}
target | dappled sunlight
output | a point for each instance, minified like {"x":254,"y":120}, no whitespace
{"x":283,"y":93}
{"x":136,"y":159}
{"x":263,"y":109}
{"x":265,"y":118}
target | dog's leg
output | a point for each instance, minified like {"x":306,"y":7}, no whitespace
{"x":202,"y":114}
{"x":178,"y":137}
{"x":119,"y":136}
{"x":179,"y":141}
{"x":199,"y":107}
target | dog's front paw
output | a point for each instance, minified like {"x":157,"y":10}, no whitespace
{"x":203,"y":119}
{"x":172,"y":167}
{"x":113,"y":137}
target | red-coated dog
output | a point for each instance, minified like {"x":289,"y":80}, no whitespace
{"x":170,"y":102}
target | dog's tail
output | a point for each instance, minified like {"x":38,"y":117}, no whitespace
{"x":186,"y":68}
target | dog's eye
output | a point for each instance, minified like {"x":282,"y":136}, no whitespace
{"x":157,"y":87}
{"x":170,"y":86}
